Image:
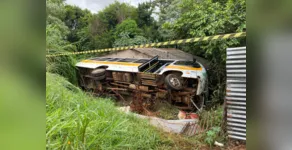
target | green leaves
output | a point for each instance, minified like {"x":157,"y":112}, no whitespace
{"x":56,"y":42}
{"x":125,"y":40}
{"x":211,"y":135}
{"x":128,"y":26}
{"x":127,"y":33}
{"x":205,"y":18}
{"x":144,"y":11}
{"x":70,"y":28}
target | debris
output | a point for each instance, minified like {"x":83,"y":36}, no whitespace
{"x":149,"y":113}
{"x":196,"y":106}
{"x":218,"y":144}
{"x":193,"y":116}
{"x":181,"y":115}
{"x":125,"y":109}
{"x":184,"y":115}
{"x":117,"y":89}
{"x":184,"y":126}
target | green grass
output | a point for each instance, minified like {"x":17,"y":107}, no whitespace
{"x":64,"y":66}
{"x":78,"y":121}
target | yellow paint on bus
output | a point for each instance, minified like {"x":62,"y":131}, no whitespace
{"x":111,"y":63}
{"x":182,"y":67}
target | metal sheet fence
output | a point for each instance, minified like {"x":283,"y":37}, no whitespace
{"x":236,"y":93}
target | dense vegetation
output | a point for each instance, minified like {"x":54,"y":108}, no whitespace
{"x":82,"y":122}
{"x":70,"y":28}
{"x":78,"y":121}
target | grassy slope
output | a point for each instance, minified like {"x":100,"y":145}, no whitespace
{"x":78,"y":121}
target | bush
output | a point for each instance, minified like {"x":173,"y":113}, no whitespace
{"x":125,"y":40}
{"x":211,"y":120}
{"x":130,"y":26}
{"x":64,"y":66}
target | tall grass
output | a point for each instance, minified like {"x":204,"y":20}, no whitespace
{"x":78,"y":121}
{"x":64,"y":66}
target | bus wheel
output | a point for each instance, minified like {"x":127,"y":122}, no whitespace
{"x":174,"y":82}
{"x":98,"y":72}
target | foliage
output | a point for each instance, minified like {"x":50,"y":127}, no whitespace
{"x":70,"y":28}
{"x":79,"y":121}
{"x":56,"y":42}
{"x":64,"y":66}
{"x":205,"y":18}
{"x":144,"y":11}
{"x":77,"y":20}
{"x":212,"y":120}
{"x":55,"y":37}
{"x":103,"y":40}
{"x":151,"y":33}
{"x":55,"y":8}
{"x":170,"y":11}
{"x":146,"y":21}
{"x":114,"y":14}
{"x":76,"y":120}
{"x":102,"y":26}
{"x":162,"y":6}
{"x":211,"y":135}
{"x":125,"y":40}
{"x":128,"y":26}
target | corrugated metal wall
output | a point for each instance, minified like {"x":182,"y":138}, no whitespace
{"x":236,"y":93}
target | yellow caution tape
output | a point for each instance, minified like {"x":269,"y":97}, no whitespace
{"x":180,"y":41}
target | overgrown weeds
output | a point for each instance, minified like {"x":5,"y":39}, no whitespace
{"x":64,"y":66}
{"x":78,"y":121}
{"x":211,"y":120}
{"x":166,"y":110}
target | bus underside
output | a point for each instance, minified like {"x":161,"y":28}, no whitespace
{"x":142,"y":89}
{"x":145,"y":88}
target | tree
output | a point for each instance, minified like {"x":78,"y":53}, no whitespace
{"x":56,"y":41}
{"x":129,"y":26}
{"x":102,"y":25}
{"x":205,"y":18}
{"x":127,"y":33}
{"x":114,"y":14}
{"x":125,"y":40}
{"x":56,"y":30}
{"x":104,"y":40}
{"x":76,"y":20}
{"x":144,"y":14}
{"x":161,"y":6}
{"x":146,"y":22}
{"x":168,"y":12}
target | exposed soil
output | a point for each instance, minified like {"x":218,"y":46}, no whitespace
{"x":236,"y":145}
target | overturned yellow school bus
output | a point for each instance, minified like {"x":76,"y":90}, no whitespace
{"x":146,"y":81}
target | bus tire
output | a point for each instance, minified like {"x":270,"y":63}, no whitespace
{"x":99,"y":77}
{"x":98,"y":72}
{"x":174,"y":82}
